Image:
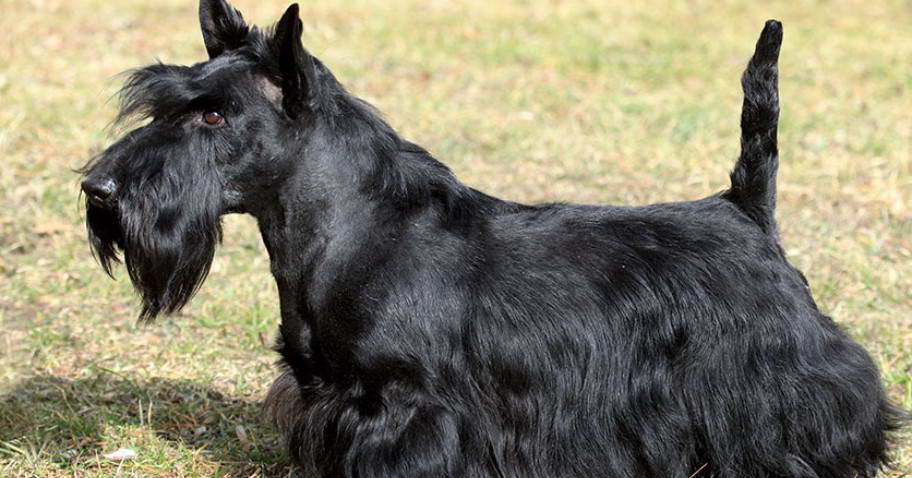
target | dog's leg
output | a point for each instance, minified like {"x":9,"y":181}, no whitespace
{"x":329,"y":433}
{"x":409,"y":442}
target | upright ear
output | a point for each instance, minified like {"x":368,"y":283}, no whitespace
{"x":223,"y":26}
{"x":295,"y":65}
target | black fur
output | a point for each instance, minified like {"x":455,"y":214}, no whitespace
{"x":754,"y":177}
{"x":429,"y":330}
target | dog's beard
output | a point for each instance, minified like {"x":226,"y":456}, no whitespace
{"x":105,"y":236}
{"x":167,"y":233}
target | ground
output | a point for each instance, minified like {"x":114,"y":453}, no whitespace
{"x":586,"y":101}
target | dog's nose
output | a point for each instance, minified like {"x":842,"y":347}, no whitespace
{"x":98,"y":190}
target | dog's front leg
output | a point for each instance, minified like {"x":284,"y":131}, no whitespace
{"x":405,"y":441}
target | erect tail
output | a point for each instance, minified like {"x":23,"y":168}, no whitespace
{"x":753,"y":181}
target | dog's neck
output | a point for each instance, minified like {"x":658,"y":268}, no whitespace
{"x":329,"y":228}
{"x":339,"y":204}
{"x":355,"y":180}
{"x":357,"y":195}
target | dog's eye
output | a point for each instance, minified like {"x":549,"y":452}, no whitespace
{"x":212,"y":118}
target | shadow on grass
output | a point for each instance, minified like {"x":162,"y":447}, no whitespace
{"x":71,"y":421}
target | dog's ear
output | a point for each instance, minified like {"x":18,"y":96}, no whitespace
{"x":223,"y":27}
{"x":296,"y":65}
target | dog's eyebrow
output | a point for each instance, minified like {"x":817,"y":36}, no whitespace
{"x":205,"y":100}
{"x":161,"y":90}
{"x":152,"y":90}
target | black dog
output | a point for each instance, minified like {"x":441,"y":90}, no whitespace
{"x":429,"y":330}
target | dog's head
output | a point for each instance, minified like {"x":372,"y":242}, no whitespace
{"x":214,"y":140}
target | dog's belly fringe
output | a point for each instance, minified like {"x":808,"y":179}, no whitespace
{"x":760,"y":421}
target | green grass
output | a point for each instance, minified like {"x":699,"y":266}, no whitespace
{"x":586,"y":101}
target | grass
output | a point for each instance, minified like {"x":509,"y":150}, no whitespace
{"x":587,"y":101}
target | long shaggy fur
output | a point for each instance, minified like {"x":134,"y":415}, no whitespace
{"x":167,"y":222}
{"x":429,"y":330}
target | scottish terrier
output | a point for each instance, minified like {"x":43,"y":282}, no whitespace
{"x":430,"y":330}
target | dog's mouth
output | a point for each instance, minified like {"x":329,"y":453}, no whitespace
{"x":101,"y":203}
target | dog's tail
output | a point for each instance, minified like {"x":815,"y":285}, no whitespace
{"x":753,"y":181}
